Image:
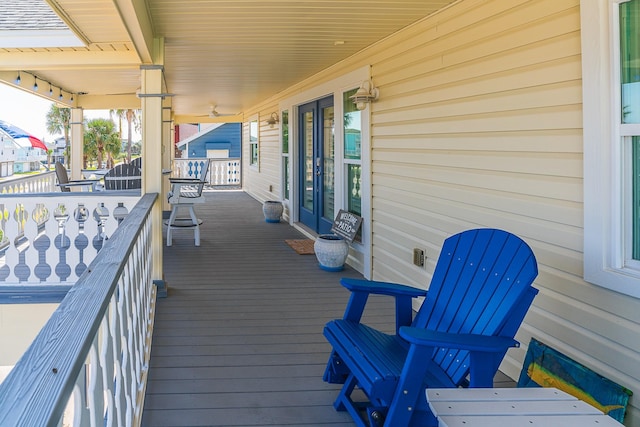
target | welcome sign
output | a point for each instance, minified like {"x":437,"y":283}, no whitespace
{"x":346,"y":225}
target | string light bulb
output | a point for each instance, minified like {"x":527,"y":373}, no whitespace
{"x":35,"y":84}
{"x":18,"y":79}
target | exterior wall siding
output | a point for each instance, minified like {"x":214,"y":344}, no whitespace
{"x":263,"y":182}
{"x":479,"y":124}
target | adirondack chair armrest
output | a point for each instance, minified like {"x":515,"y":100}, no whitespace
{"x":382,"y":288}
{"x":469,"y":342}
{"x":361,"y":289}
{"x":486,"y":352}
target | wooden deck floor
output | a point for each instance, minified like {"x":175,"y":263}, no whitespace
{"x":238,"y":341}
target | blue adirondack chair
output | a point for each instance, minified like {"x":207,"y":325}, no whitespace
{"x":478,"y":296}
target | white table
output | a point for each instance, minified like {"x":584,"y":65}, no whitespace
{"x":513,"y":407}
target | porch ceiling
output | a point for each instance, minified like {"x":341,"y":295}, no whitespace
{"x":231,"y":53}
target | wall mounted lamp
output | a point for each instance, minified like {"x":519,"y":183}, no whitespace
{"x":271,"y":121}
{"x":365,"y":94}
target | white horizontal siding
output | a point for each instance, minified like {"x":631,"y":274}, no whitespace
{"x":482,"y":126}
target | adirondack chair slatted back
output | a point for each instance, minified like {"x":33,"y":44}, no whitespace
{"x":123,"y":177}
{"x":477,"y":284}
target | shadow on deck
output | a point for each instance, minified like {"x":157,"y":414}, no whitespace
{"x":238,"y":341}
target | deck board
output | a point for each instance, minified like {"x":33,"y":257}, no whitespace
{"x":238,"y":341}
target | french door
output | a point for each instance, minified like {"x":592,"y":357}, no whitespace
{"x":316,"y":173}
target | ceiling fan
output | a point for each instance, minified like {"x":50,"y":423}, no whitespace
{"x":214,"y":113}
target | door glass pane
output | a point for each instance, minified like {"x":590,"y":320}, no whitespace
{"x":352,"y":127}
{"x":285,"y":166}
{"x":354,"y":188}
{"x":285,"y":132}
{"x":285,"y":153}
{"x":635,"y":144}
{"x":630,"y":60}
{"x":329,"y":155}
{"x":307,"y":146}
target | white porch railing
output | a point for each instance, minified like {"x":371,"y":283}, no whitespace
{"x":222,"y":172}
{"x":51,"y":238}
{"x":40,"y":183}
{"x":94,"y":350}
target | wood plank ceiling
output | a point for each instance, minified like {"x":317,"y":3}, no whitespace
{"x":232,"y":53}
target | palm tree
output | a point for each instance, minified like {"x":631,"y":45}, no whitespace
{"x":59,"y":121}
{"x":100,"y":138}
{"x":132,"y":118}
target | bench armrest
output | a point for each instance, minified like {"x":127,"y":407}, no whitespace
{"x":185,"y":181}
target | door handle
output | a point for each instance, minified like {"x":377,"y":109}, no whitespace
{"x":318,"y":170}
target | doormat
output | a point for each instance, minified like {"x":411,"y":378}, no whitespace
{"x":546,"y":367}
{"x":301,"y":246}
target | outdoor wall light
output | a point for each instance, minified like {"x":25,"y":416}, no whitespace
{"x":18,"y":79}
{"x":271,"y":121}
{"x":366,"y":93}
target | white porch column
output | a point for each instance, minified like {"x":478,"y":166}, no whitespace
{"x":77,"y":141}
{"x":151,"y":100}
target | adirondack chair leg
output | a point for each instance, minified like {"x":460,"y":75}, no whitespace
{"x":410,"y":387}
{"x":343,"y":400}
{"x":336,"y":371}
{"x":483,"y":368}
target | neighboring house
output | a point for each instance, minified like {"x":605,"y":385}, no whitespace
{"x":7,"y":155}
{"x":59,"y":146}
{"x":218,"y":141}
{"x":18,"y":156}
{"x":490,"y":114}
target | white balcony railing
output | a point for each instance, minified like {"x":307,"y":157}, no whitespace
{"x":40,"y":183}
{"x":51,"y":238}
{"x":92,"y":357}
{"x":222,"y":172}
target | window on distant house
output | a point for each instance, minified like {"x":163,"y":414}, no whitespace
{"x":611,"y":98}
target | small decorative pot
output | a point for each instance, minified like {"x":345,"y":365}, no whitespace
{"x":331,"y":251}
{"x":272,"y":210}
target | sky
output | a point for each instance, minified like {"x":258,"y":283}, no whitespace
{"x":29,"y":112}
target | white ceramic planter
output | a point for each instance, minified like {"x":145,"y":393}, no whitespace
{"x":272,"y":210}
{"x":331,"y":252}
